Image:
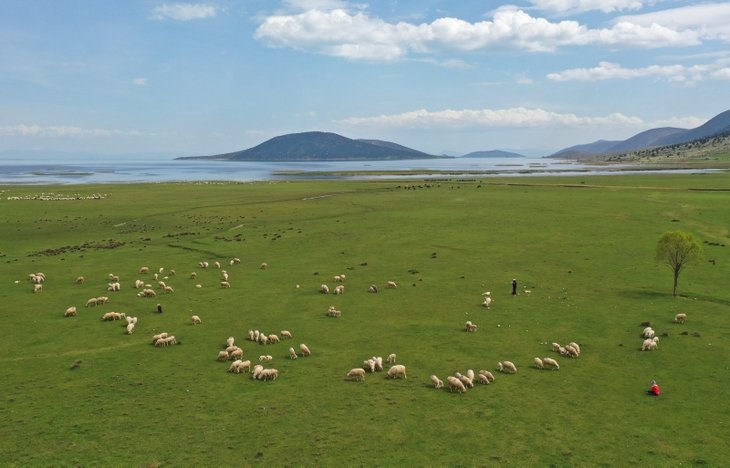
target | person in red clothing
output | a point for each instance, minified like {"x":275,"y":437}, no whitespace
{"x":654,"y":390}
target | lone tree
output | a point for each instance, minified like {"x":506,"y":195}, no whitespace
{"x":677,"y":249}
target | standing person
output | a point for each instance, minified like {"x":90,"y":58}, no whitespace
{"x":159,"y":308}
{"x":514,"y":287}
{"x":654,"y":390}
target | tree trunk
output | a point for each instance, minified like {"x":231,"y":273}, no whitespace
{"x":676,"y":280}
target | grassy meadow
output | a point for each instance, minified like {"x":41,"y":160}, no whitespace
{"x":583,"y":247}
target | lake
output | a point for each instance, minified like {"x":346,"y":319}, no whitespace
{"x":89,"y":170}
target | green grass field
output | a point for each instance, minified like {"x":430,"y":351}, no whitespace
{"x":583,"y":246}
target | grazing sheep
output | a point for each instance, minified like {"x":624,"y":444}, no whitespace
{"x":391,"y":358}
{"x":225,"y":285}
{"x":650,"y":344}
{"x":256,"y":335}
{"x":304,"y":350}
{"x":332,"y":312}
{"x":80,"y":280}
{"x":437,"y":383}
{"x":487,"y":374}
{"x":160,"y":342}
{"x":487,"y":300}
{"x":265,"y":358}
{"x":144,"y":270}
{"x":468,"y":383}
{"x":391,"y":285}
{"x":217,"y":264}
{"x":372,"y":288}
{"x":397,"y":371}
{"x":138,"y":284}
{"x":223,"y":356}
{"x":236,"y":353}
{"x":508,"y":366}
{"x":263,"y":339}
{"x":130,"y":328}
{"x":230,"y":349}
{"x":292,"y":353}
{"x":538,"y":363}
{"x":235,"y":366}
{"x":556,"y":347}
{"x":483,"y":379}
{"x":203,"y":264}
{"x":680,"y":318}
{"x":369,"y":365}
{"x":160,"y":336}
{"x":551,"y":363}
{"x":168,"y":289}
{"x":573,"y":344}
{"x":37,"y":288}
{"x":269,"y":374}
{"x":339,"y":289}
{"x":571,"y":351}
{"x":224,"y":275}
{"x":109,"y":316}
{"x":356,"y":374}
{"x":263,"y":266}
{"x":235,"y":260}
{"x":470,"y":327}
{"x":455,"y":384}
{"x":324,"y":289}
{"x":245,"y":365}
{"x":378,"y":363}
{"x":648,"y":332}
{"x":256,"y":371}
{"x":338,"y":278}
{"x":70,"y":312}
{"x":196,"y":320}
{"x":113,"y":278}
{"x":285,"y":334}
{"x":230,"y":341}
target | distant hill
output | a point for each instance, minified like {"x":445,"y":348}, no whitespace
{"x":320,"y":146}
{"x":492,"y":154}
{"x":597,"y":147}
{"x":645,"y":142}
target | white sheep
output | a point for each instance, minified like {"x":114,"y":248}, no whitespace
{"x":285,"y":334}
{"x":437,"y":383}
{"x":269,"y":374}
{"x":236,"y":353}
{"x":571,"y":351}
{"x":225,"y":285}
{"x":230,"y":341}
{"x":235,"y":260}
{"x":508,"y":366}
{"x":273,"y":338}
{"x":487,"y":300}
{"x":263,"y":339}
{"x":391,"y":285}
{"x":70,"y":312}
{"x":550,"y":362}
{"x":337,"y":279}
{"x":391,"y":358}
{"x":573,"y":344}
{"x":340,"y":289}
{"x":556,"y":347}
{"x":265,"y":358}
{"x":292,"y":353}
{"x":304,"y":350}
{"x":196,"y":320}
{"x":235,"y":366}
{"x":245,"y":365}
{"x":369,"y":365}
{"x":680,"y":318}
{"x":487,"y":374}
{"x":130,"y":328}
{"x":263,"y":266}
{"x":37,"y":288}
{"x":159,"y":336}
{"x":138,"y":284}
{"x":455,"y":384}
{"x":80,"y":280}
{"x":356,"y":374}
{"x":217,"y":264}
{"x":223,"y":355}
{"x":324,"y":289}
{"x":650,"y":344}
{"x":648,"y":332}
{"x":539,"y":364}
{"x":193,"y":275}
{"x":372,"y":288}
{"x":470,"y":327}
{"x":144,"y":270}
{"x":397,"y":371}
{"x":378,"y":363}
{"x":483,"y":379}
{"x":468,"y":383}
{"x":168,"y":289}
{"x":256,"y":371}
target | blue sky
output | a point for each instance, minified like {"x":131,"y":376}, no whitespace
{"x":534,"y":76}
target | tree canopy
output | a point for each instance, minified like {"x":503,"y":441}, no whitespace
{"x":677,"y":249}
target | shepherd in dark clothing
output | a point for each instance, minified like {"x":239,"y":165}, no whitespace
{"x":514,"y":287}
{"x":159,"y":308}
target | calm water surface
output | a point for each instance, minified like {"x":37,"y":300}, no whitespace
{"x":86,"y":170}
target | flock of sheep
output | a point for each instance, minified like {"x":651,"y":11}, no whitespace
{"x":458,"y":382}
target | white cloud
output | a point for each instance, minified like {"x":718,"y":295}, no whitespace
{"x":358,"y":36}
{"x":673,"y":73}
{"x":518,"y":117}
{"x":184,"y":11}
{"x":578,"y":6}
{"x":721,"y":74}
{"x":710,"y":21}
{"x":140,"y":81}
{"x":23,"y":130}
